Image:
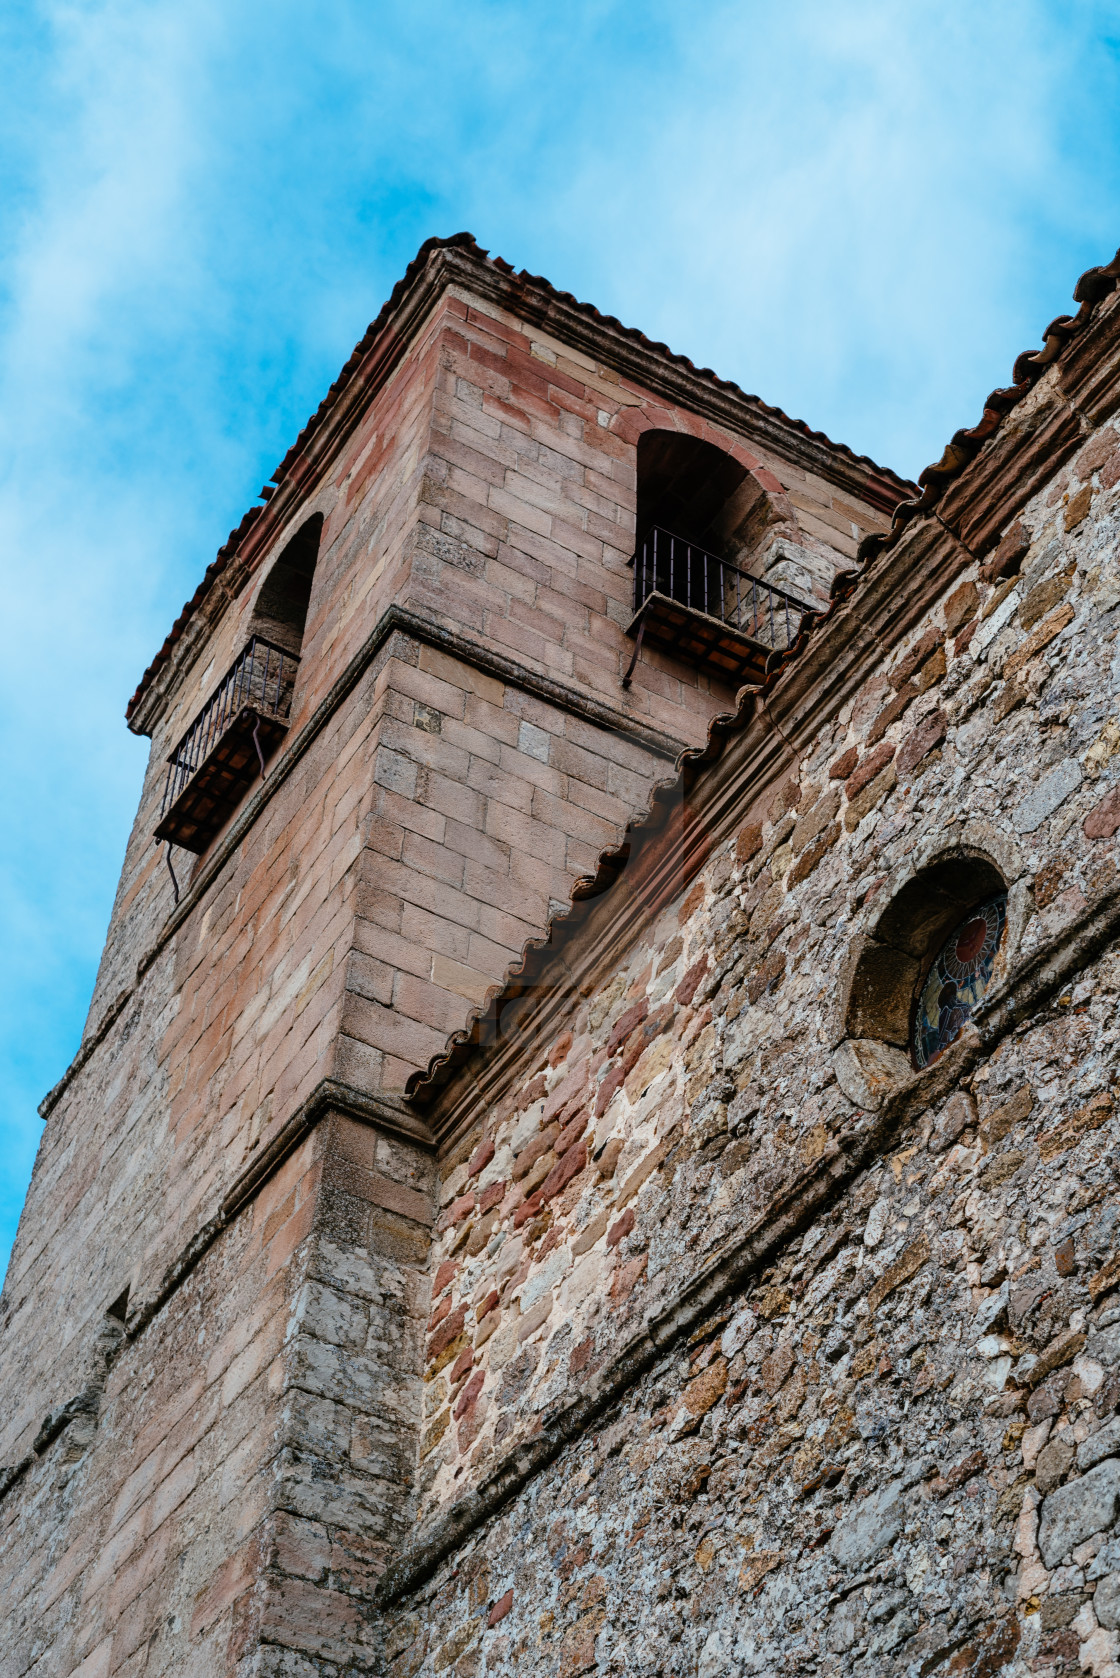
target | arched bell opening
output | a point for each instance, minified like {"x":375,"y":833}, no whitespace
{"x":705,"y":532}
{"x":280,"y":610}
{"x":692,"y":489}
{"x":245,"y":720}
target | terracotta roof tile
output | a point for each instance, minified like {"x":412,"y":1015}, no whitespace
{"x":1092,"y":288}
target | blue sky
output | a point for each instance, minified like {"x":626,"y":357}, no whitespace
{"x":862,"y":213}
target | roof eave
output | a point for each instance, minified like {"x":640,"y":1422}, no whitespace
{"x":459,"y":261}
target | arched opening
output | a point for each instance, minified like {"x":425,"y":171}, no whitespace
{"x":245,"y":720}
{"x":703,"y":526}
{"x":924,"y":969}
{"x":280,"y":612}
{"x":684,"y":485}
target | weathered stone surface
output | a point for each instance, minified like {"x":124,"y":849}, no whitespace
{"x":1104,"y":1346}
{"x":1106,"y":1602}
{"x":1051,"y":792}
{"x":1103,"y":1443}
{"x":1079,"y":1509}
{"x":860,"y":1535}
{"x":1053,"y":1464}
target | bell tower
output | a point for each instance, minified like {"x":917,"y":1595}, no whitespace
{"x":516,"y":562}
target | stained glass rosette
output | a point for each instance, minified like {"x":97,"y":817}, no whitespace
{"x":958,"y":979}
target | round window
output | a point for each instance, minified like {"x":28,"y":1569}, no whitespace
{"x":957,"y":980}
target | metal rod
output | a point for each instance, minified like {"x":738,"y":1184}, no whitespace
{"x":257,"y":744}
{"x":171,"y":871}
{"x":634,"y":656}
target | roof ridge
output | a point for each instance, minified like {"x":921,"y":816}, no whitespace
{"x":1094,"y":285}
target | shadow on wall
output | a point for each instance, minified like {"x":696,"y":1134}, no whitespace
{"x":280,"y":612}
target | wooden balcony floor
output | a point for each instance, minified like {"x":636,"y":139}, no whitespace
{"x":702,"y":640}
{"x":221,"y":780}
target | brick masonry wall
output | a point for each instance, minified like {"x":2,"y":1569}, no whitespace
{"x":885,"y":1453}
{"x":528,"y":505}
{"x":425,"y":837}
{"x":488,"y":804}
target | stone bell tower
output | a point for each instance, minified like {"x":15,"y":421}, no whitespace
{"x":518,"y":559}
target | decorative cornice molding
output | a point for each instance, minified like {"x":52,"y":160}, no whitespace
{"x":425,"y":630}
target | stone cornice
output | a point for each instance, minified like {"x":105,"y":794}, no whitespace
{"x":662,"y":374}
{"x":415,"y":626}
{"x":386,"y":1115}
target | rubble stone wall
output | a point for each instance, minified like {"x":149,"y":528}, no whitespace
{"x":834,"y":1471}
{"x":885,"y":1446}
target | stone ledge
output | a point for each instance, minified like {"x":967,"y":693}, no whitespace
{"x":424,"y":631}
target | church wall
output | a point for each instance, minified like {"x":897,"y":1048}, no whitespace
{"x":723,"y":1303}
{"x":489,"y":804}
{"x":230,"y":1029}
{"x":98,"y":1172}
{"x":115,"y":1529}
{"x":824,"y":1474}
{"x":707,"y":1071}
{"x":428,"y":833}
{"x":368,"y":501}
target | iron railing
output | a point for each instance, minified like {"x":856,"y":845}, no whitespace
{"x":669,"y":565}
{"x":260,"y":680}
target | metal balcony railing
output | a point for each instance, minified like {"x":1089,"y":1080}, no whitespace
{"x":219,"y":756}
{"x":704,"y":608}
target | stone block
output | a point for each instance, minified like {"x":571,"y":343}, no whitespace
{"x":1079,"y":1509}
